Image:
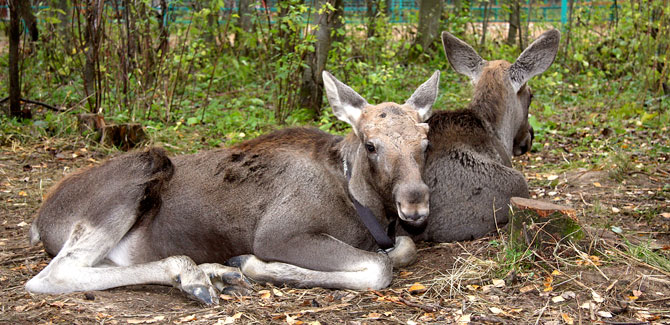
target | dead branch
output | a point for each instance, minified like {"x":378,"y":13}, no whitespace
{"x":30,"y":101}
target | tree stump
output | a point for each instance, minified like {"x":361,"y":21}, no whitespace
{"x":535,"y":223}
{"x":124,"y":136}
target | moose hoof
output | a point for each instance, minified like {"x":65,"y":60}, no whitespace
{"x":202,"y":293}
{"x":224,"y":277}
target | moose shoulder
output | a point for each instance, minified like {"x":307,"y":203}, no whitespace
{"x":468,"y":167}
{"x":279,"y":205}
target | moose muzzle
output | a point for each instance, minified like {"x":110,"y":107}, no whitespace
{"x":412,"y":203}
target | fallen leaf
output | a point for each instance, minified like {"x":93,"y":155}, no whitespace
{"x":665,"y":215}
{"x":277,"y":292}
{"x":557,"y":299}
{"x":58,"y":304}
{"x":404,"y":274}
{"x":605,"y":314}
{"x":265,"y":294}
{"x":188,"y":318}
{"x":229,"y":319}
{"x":498,"y":283}
{"x":615,"y":210}
{"x":567,"y":319}
{"x":293,"y":320}
{"x":527,"y":288}
{"x":495,"y":310}
{"x":22,"y":224}
{"x":596,"y":184}
{"x":373,"y":315}
{"x":23,"y":193}
{"x":586,"y":305}
{"x":417,"y":288}
{"x":556,"y":272}
{"x":637,"y":293}
{"x":568,"y":295}
{"x":552,"y":177}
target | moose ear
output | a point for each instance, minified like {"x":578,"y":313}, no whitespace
{"x":535,"y":59}
{"x":424,"y":97}
{"x":347,"y":104}
{"x":462,"y":57}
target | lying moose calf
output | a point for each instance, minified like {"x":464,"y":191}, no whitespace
{"x":282,"y":200}
{"x":468,"y":166}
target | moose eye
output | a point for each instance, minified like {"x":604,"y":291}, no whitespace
{"x":370,"y":147}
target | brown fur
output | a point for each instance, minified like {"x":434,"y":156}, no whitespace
{"x":468,"y":167}
{"x":281,"y":200}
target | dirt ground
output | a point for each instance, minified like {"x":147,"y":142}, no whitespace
{"x":594,"y":280}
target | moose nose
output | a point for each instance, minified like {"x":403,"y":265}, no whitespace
{"x":413,"y":204}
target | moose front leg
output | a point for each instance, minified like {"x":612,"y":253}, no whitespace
{"x":404,"y":252}
{"x":316,"y":261}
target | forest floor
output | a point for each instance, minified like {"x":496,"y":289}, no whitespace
{"x":619,"y":272}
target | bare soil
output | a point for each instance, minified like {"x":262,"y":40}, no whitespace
{"x":594,"y":280}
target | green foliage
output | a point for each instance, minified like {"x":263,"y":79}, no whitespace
{"x":231,"y":84}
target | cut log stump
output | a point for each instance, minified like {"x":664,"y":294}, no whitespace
{"x":535,"y":223}
{"x":124,"y":136}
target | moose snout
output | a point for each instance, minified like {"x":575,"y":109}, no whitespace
{"x":525,"y":144}
{"x":412,"y":202}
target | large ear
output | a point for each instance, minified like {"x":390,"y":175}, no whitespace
{"x":462,"y":57}
{"x":347,"y":104}
{"x":535,"y":59}
{"x":424,"y":97}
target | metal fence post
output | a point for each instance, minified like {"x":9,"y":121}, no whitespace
{"x":564,"y":12}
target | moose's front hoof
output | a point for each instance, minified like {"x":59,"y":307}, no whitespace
{"x":202,"y":294}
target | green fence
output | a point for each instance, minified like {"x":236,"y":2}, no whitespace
{"x":400,"y":11}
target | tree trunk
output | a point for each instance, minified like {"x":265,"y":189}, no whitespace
{"x":430,"y":12}
{"x":26,"y":13}
{"x":164,"y":34}
{"x":92,"y":36}
{"x":311,"y":92}
{"x":14,"y":39}
{"x":246,"y":13}
{"x":485,"y":25}
{"x":539,"y":224}
{"x":514,"y":17}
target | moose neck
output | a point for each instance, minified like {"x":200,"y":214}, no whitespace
{"x":492,"y":101}
{"x":360,"y":187}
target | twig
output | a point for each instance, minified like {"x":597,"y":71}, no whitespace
{"x":426,"y":308}
{"x":585,"y":257}
{"x":653,"y":300}
{"x":639,"y":262}
{"x":57,"y":109}
{"x":537,"y":321}
{"x":487,"y":319}
{"x":313,"y":310}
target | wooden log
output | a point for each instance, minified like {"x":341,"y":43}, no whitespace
{"x":125,"y":136}
{"x":535,"y":223}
